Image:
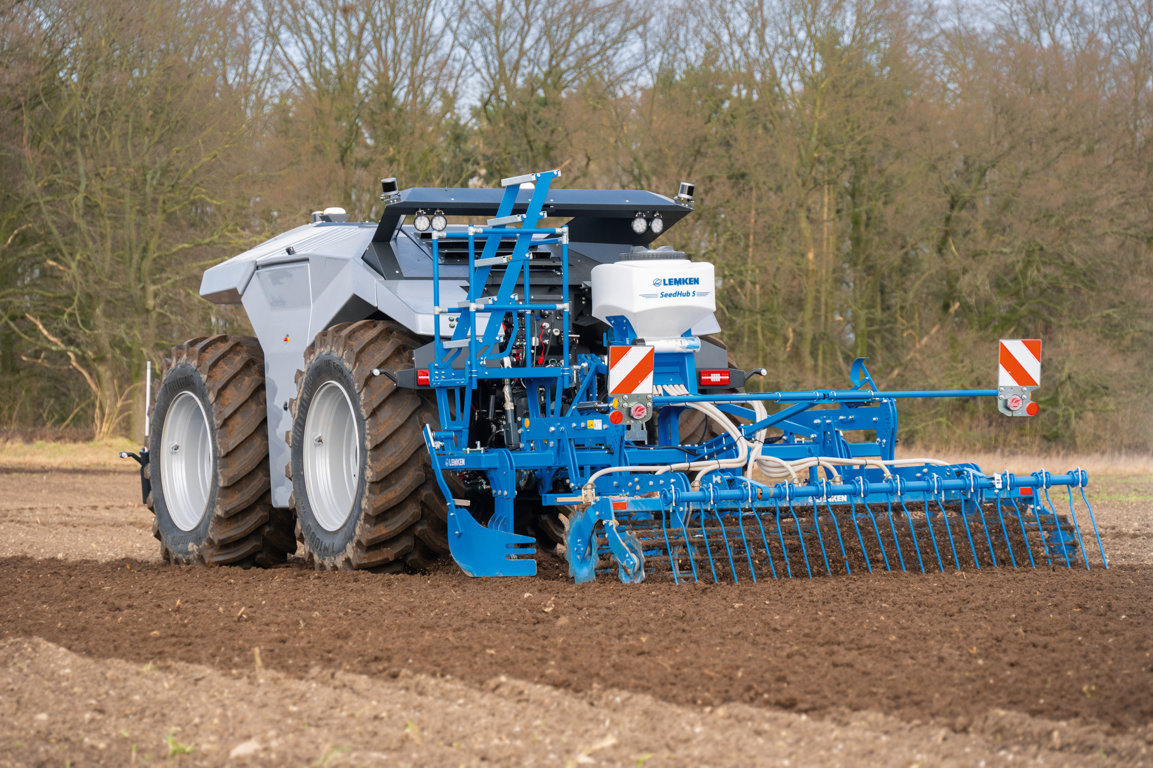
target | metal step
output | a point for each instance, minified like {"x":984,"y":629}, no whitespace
{"x":500,"y":221}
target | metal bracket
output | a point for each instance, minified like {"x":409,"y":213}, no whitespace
{"x":1015,"y":401}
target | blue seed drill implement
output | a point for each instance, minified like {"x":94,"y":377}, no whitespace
{"x":535,"y":374}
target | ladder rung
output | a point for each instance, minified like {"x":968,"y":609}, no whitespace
{"x":490,"y":262}
{"x":524,"y":178}
{"x":454,"y":343}
{"x":500,"y":221}
{"x":482,"y":301}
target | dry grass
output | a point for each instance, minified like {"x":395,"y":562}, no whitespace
{"x":1128,"y":464}
{"x":101,"y":454}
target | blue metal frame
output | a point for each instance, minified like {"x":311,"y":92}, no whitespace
{"x":636,"y":512}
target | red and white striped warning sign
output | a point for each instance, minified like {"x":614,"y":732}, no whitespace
{"x":630,"y":370}
{"x":1020,"y":363}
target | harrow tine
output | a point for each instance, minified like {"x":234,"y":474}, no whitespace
{"x":1005,"y":532}
{"x":877,"y":533}
{"x":988,"y":538}
{"x":948,"y":530}
{"x":932,"y":533}
{"x":1024,"y":535}
{"x":860,"y":539}
{"x":896,"y":541}
{"x":821,"y":540}
{"x":728,"y":549}
{"x":1077,"y":529}
{"x":1041,"y":531}
{"x":708,"y":549}
{"x":784,"y":549}
{"x":1093,"y":520}
{"x":768,"y":552}
{"x":689,"y":546}
{"x":668,"y":545}
{"x":837,"y":528}
{"x":1057,"y":528}
{"x":748,"y":553}
{"x":913,"y":533}
{"x":968,"y":534}
{"x":800,"y":535}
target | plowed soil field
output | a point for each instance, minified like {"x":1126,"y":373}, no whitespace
{"x":109,"y":657}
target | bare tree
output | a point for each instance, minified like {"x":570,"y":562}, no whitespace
{"x":543,"y":70}
{"x":367,"y":90}
{"x":127,"y":150}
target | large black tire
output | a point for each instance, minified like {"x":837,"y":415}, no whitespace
{"x":380,"y":509}
{"x":210,"y":495}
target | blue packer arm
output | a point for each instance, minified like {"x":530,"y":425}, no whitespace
{"x":478,"y":550}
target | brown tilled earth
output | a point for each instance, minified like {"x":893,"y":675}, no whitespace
{"x":109,"y":657}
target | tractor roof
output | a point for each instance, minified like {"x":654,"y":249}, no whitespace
{"x":595,"y":215}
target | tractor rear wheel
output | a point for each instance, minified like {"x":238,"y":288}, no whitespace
{"x":209,"y":458}
{"x":362,"y":484}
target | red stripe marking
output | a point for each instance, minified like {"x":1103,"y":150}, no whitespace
{"x":633,"y":378}
{"x":616,"y":354}
{"x":1015,"y":369}
{"x":1034,"y":346}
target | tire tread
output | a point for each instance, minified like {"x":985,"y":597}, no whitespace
{"x":402,"y":518}
{"x":245,"y":529}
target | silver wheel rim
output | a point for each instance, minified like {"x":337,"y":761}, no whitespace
{"x":331,"y":456}
{"x":186,"y":461}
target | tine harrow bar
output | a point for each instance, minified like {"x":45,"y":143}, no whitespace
{"x":731,"y":531}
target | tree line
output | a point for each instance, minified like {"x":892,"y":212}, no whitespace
{"x":903,"y":180}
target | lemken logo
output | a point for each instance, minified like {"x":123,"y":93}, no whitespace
{"x":659,"y":281}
